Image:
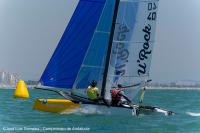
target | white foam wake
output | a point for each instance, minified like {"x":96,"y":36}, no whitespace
{"x":193,"y":114}
{"x":88,"y":109}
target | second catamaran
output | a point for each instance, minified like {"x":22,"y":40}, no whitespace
{"x":110,"y":41}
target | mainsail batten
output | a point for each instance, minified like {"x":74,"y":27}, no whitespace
{"x":65,"y":63}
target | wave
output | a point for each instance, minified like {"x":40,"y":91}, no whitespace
{"x":88,"y":110}
{"x":193,"y":114}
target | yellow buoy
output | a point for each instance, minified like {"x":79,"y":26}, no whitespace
{"x":21,"y":90}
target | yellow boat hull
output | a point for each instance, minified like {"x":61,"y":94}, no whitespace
{"x":56,"y":105}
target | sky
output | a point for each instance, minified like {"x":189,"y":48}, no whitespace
{"x":30,"y":31}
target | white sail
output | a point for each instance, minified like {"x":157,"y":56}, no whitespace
{"x":132,"y":43}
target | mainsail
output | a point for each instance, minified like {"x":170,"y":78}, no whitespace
{"x":94,"y":62}
{"x":132,"y":44}
{"x":65,"y":63}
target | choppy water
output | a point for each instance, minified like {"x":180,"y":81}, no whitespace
{"x":17,"y":115}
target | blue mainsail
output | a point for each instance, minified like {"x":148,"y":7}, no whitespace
{"x":66,"y":61}
{"x":94,"y":62}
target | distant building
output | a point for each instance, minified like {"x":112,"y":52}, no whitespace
{"x":8,"y":79}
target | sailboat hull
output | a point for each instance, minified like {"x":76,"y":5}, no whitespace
{"x":67,"y":106}
{"x":56,"y":105}
{"x":64,"y":106}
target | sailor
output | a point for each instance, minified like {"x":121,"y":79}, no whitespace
{"x":93,"y":91}
{"x":117,"y":95}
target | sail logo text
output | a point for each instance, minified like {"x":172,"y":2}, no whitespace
{"x":120,"y":51}
{"x":145,"y":52}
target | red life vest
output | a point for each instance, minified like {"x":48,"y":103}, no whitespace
{"x":115,"y":95}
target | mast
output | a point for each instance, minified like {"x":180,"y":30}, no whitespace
{"x":109,"y":48}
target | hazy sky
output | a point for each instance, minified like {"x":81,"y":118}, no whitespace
{"x":31,"y":29}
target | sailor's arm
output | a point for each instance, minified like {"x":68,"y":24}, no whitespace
{"x":124,"y":96}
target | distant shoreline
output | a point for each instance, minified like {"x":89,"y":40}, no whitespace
{"x":13,"y":87}
{"x":148,"y":88}
{"x":171,"y":88}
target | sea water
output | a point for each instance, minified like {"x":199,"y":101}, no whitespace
{"x":18,"y":115}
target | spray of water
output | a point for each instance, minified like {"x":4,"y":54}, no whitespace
{"x":89,"y":110}
{"x":193,"y":114}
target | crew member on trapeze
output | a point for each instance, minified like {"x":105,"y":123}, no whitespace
{"x":118,"y":96}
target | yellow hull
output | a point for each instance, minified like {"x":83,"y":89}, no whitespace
{"x":56,"y":105}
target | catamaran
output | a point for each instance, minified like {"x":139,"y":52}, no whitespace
{"x":110,"y":41}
